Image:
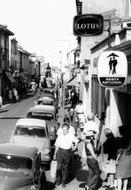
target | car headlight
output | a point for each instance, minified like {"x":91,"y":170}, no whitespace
{"x":46,"y":151}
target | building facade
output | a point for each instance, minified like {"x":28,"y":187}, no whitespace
{"x":6,"y":78}
{"x":108,"y":106}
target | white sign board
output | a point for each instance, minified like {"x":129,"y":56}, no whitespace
{"x":112,"y":69}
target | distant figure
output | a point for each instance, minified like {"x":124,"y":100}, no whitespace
{"x":0,"y":101}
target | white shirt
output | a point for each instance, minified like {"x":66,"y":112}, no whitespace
{"x":79,"y":109}
{"x":66,"y":141}
{"x":71,"y":130}
{"x":91,"y":125}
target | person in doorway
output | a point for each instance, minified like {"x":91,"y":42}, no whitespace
{"x":93,"y":178}
{"x":65,"y":143}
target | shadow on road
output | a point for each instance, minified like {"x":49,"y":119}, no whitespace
{"x":11,"y":117}
{"x":3,"y":110}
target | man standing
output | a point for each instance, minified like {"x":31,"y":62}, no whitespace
{"x":90,"y":125}
{"x":65,"y":143}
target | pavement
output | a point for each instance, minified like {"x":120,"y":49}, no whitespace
{"x":3,"y":108}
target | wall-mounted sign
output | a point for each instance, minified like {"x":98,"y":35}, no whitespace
{"x":112,"y":69}
{"x":88,"y":25}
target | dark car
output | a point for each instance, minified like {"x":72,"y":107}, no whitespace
{"x":20,"y":168}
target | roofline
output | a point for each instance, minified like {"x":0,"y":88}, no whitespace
{"x":106,"y":39}
{"x":122,"y":45}
{"x":4,"y":28}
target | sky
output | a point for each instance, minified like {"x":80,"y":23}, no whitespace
{"x":44,"y":27}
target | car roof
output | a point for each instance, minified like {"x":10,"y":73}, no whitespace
{"x":42,"y":108}
{"x":46,"y":98}
{"x":19,"y":150}
{"x":31,"y":122}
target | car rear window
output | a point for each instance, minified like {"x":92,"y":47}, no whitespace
{"x":43,"y":116}
{"x":30,"y":131}
{"x":44,"y":102}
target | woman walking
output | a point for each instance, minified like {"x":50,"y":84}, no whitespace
{"x":94,"y":172}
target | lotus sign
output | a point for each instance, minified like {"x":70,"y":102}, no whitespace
{"x":88,"y":25}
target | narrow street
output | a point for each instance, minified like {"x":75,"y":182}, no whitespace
{"x":8,"y":118}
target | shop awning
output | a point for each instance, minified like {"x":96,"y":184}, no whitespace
{"x":72,"y":82}
{"x":10,"y":77}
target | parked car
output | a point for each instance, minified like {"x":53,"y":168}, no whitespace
{"x":49,"y":92}
{"x":20,"y":168}
{"x":33,"y":133}
{"x":45,"y":101}
{"x":47,"y":113}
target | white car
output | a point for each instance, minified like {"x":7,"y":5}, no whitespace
{"x":46,"y":113}
{"x":45,"y":101}
{"x":33,"y":133}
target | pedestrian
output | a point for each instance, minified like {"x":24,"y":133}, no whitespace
{"x":79,"y":111}
{"x":71,"y":128}
{"x":74,"y":99}
{"x":90,"y":125}
{"x":110,"y":148}
{"x":65,"y":143}
{"x":10,"y":95}
{"x":123,"y":168}
{"x":81,"y":145}
{"x":93,"y":178}
{"x":0,"y":102}
{"x":71,"y":114}
{"x":15,"y":95}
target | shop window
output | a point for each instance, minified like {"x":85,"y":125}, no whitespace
{"x":98,"y":98}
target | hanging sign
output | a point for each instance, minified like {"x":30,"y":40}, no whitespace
{"x":112,"y":69}
{"x":88,"y":25}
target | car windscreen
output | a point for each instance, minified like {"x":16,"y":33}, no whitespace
{"x":13,"y":162}
{"x":43,"y":116}
{"x":44,"y":102}
{"x":30,"y":131}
